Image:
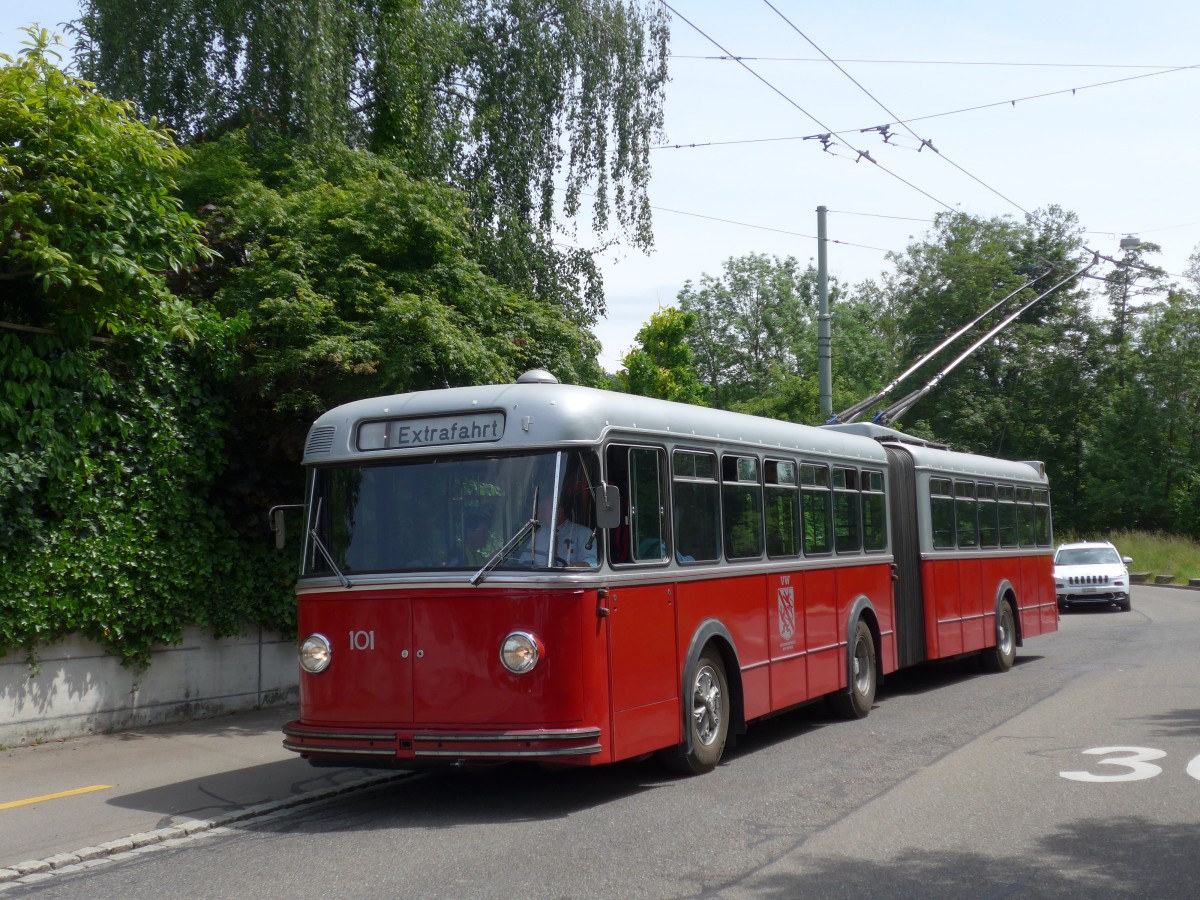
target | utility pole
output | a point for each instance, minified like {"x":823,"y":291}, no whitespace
{"x":824,"y":353}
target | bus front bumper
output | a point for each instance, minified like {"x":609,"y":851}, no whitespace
{"x":387,"y":747}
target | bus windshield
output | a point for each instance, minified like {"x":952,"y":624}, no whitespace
{"x":454,"y":513}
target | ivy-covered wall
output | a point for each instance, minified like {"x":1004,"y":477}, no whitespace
{"x":114,"y":521}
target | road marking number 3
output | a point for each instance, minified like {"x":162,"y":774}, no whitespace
{"x":1135,"y":759}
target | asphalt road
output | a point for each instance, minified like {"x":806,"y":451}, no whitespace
{"x":959,"y":784}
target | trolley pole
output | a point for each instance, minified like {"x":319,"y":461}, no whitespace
{"x":824,"y":353}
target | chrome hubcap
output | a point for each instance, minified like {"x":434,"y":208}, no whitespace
{"x":707,"y":704}
{"x":862,"y":668}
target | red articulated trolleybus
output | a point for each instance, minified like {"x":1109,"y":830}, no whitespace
{"x":538,"y":571}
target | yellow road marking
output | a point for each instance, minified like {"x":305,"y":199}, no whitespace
{"x":58,"y":796}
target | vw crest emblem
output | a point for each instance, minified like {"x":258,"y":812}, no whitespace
{"x":787,"y":612}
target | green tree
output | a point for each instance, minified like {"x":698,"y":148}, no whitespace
{"x":353,"y":279}
{"x":111,"y":450}
{"x":661,"y":365}
{"x":359,"y":280}
{"x":529,"y":106}
{"x":1125,"y":286}
{"x":751,"y":324}
{"x":1049,"y":357}
{"x":89,"y":224}
{"x":1145,"y":459}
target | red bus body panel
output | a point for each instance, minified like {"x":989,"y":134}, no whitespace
{"x":961,"y":595}
{"x":416,"y":673}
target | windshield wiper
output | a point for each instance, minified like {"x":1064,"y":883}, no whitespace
{"x":312,"y":532}
{"x":510,"y":544}
{"x":346,"y":583}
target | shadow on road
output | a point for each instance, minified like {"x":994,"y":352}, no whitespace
{"x":1130,"y":857}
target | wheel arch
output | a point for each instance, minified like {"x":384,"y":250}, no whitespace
{"x":1006,"y":593}
{"x":713,"y":632}
{"x":863,"y":609}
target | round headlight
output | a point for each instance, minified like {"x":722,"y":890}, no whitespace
{"x":520,"y":652}
{"x":315,"y":653}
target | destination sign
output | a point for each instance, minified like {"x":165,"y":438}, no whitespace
{"x":436,"y":431}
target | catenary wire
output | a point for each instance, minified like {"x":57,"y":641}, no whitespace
{"x":925,"y":142}
{"x":933,"y":62}
{"x":862,"y":154}
{"x":953,"y":112}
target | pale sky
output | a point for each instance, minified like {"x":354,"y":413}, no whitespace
{"x":1123,"y":156}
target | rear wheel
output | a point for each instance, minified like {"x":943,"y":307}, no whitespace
{"x":1000,"y":657}
{"x":707,"y":718}
{"x":856,"y":701}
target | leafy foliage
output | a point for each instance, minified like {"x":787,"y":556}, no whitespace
{"x":354,"y":279}
{"x":661,"y":365}
{"x":110,"y":452}
{"x":749,"y":323}
{"x":359,"y":280}
{"x":89,"y":222}
{"x":511,"y":101}
{"x":109,"y":459}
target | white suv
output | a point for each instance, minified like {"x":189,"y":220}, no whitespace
{"x":1090,"y":574}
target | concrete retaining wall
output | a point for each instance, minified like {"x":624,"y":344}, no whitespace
{"x":77,"y":689}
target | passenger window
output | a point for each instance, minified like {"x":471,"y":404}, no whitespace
{"x":783,"y":509}
{"x":816,"y":502}
{"x":697,"y":507}
{"x":1041,"y":513}
{"x":741,"y":495}
{"x":847,"y":526}
{"x":638,"y":472}
{"x":1007,"y":509}
{"x":874,"y":510}
{"x":989,"y":524}
{"x":941,"y":513}
{"x":966,"y":523}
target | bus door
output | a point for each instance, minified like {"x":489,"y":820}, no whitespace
{"x":641,"y":623}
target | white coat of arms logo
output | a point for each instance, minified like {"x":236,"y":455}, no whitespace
{"x":787,"y":612}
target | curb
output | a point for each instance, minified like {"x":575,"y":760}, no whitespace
{"x":1190,"y":586}
{"x":35,"y":870}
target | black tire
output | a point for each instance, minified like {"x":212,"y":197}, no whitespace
{"x":1125,"y":605}
{"x":858,"y":698}
{"x":1000,"y":657}
{"x":707,"y":709}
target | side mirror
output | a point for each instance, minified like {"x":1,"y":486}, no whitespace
{"x":608,"y":506}
{"x":1128,"y":560}
{"x":276,"y":518}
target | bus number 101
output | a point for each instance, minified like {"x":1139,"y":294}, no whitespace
{"x":362,"y":640}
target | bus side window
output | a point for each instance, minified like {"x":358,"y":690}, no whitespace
{"x":1007,"y":508}
{"x":742,"y":502}
{"x":1041,"y":512}
{"x":941,"y":513}
{"x":646,"y":508}
{"x":966,"y":514}
{"x":1026,"y":526}
{"x":846,"y":510}
{"x":874,"y":507}
{"x":989,"y":529}
{"x":816,"y":507}
{"x":697,"y":506}
{"x":618,"y":475}
{"x":637,"y":472}
{"x":783,"y":509}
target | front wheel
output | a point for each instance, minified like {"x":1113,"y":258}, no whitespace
{"x":707,"y":718}
{"x":1000,"y":657}
{"x":858,"y":698}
